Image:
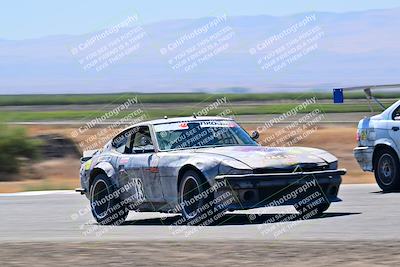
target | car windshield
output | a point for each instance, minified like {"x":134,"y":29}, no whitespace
{"x":195,"y":134}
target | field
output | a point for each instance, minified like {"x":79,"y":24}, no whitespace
{"x":118,"y":98}
{"x":173,"y":111}
{"x":29,"y":108}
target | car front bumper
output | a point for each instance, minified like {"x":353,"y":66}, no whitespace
{"x":275,"y":189}
{"x":363,"y":155}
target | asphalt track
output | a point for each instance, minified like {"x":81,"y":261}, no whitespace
{"x":365,"y":214}
{"x":42,"y":229}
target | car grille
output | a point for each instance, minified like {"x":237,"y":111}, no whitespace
{"x":305,"y":167}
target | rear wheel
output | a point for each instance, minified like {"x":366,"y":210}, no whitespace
{"x":106,"y":207}
{"x":386,"y":170}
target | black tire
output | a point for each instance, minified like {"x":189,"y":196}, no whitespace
{"x":106,"y":210}
{"x":386,"y":170}
{"x":190,"y":189}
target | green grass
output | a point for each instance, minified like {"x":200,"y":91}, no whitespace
{"x":14,"y":145}
{"x":159,"y":113}
{"x":118,"y":98}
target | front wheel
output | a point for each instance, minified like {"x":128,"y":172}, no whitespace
{"x":105,"y":205}
{"x":386,"y":170}
{"x":196,"y":201}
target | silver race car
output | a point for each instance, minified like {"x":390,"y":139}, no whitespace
{"x":201,"y":167}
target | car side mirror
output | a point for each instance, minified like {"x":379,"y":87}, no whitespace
{"x":255,"y":135}
{"x":84,"y":159}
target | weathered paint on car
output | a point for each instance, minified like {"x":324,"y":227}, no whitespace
{"x":252,"y":168}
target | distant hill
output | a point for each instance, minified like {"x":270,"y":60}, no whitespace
{"x":355,"y":48}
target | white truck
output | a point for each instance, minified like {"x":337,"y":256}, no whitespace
{"x":378,"y":147}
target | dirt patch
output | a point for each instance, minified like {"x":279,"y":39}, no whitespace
{"x":52,"y":174}
{"x":243,"y":253}
{"x":57,"y":146}
{"x":58,"y":157}
{"x":64,"y":168}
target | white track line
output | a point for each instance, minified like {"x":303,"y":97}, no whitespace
{"x":39,"y":193}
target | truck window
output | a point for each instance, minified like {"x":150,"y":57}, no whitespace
{"x":396,"y":114}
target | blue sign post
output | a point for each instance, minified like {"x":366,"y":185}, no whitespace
{"x":338,"y":97}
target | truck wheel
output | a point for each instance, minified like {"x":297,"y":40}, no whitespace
{"x":195,"y":206}
{"x":386,"y":170}
{"x":106,"y":208}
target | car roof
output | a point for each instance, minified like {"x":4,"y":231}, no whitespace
{"x":177,"y":119}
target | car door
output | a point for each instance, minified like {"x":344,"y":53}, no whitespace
{"x":138,"y":167}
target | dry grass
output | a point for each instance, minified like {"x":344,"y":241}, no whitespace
{"x":55,"y":174}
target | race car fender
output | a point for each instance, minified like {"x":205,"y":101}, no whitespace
{"x":387,"y":142}
{"x":207,"y":167}
{"x":105,"y":167}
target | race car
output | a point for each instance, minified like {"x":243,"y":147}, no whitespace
{"x":202,"y":167}
{"x":378,"y":147}
{"x":378,"y":138}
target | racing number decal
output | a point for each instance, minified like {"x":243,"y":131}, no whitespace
{"x":138,"y":192}
{"x":133,"y":186}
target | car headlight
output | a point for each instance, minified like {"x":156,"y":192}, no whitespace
{"x":333,"y":165}
{"x":233,"y":167}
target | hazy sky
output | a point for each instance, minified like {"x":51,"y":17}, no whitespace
{"x":21,"y":19}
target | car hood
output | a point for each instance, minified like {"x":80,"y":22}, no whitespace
{"x":271,"y":157}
